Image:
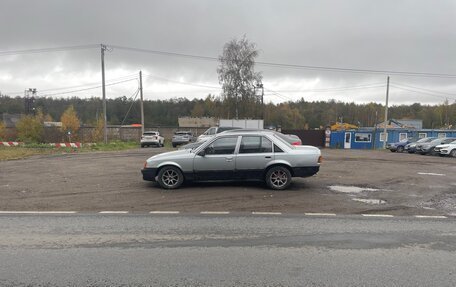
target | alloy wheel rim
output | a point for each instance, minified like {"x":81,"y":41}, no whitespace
{"x":278,"y":178}
{"x":170,"y":178}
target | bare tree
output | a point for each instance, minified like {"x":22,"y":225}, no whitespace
{"x":238,"y":77}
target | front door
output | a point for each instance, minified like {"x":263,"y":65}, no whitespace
{"x":347,"y":142}
{"x":218,"y":161}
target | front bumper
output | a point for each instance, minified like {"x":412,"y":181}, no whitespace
{"x":149,"y":174}
{"x":305,"y":171}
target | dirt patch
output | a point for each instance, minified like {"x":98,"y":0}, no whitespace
{"x":113,"y":181}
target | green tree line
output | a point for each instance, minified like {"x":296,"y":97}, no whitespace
{"x":292,"y":115}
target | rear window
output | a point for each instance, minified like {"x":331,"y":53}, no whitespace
{"x":283,"y":138}
{"x":182,"y":133}
{"x":150,"y":133}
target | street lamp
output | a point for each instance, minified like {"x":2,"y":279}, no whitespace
{"x":259,"y":92}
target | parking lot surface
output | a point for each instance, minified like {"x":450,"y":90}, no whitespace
{"x":349,"y":182}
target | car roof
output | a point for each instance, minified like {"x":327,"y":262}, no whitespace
{"x":248,"y":132}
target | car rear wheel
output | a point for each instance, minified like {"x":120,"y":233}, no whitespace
{"x":400,"y":149}
{"x":278,"y":178}
{"x":170,"y":177}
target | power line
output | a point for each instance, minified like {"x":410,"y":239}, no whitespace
{"x":77,"y":86}
{"x":427,"y":90}
{"x":335,"y":89}
{"x":181,"y":82}
{"x":422,"y":92}
{"x":86,"y":89}
{"x":211,"y":58}
{"x":46,"y":50}
{"x":294,"y":66}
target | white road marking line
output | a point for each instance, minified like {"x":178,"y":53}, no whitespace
{"x":266,"y":213}
{"x":320,"y":214}
{"x":164,"y":212}
{"x":214,"y":212}
{"x":113,"y":212}
{"x":430,"y":216}
{"x":38,"y":212}
{"x":378,"y":215}
{"x":431,"y":173}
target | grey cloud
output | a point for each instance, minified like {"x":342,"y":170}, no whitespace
{"x":387,"y":35}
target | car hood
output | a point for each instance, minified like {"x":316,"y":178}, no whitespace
{"x":170,"y":155}
{"x":442,"y":146}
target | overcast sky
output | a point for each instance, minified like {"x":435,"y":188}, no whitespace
{"x":414,"y":36}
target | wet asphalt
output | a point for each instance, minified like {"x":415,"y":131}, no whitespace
{"x":225,"y":250}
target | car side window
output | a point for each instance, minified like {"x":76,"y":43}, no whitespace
{"x":255,"y":144}
{"x":277,"y":149}
{"x":225,"y":145}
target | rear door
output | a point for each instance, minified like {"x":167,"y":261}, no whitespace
{"x":218,"y":162}
{"x":255,"y":152}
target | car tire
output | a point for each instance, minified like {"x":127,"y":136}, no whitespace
{"x":142,"y":146}
{"x":453,"y":153}
{"x":400,"y":149}
{"x":278,"y":178}
{"x":392,"y":150}
{"x":174,"y":145}
{"x":170,"y":177}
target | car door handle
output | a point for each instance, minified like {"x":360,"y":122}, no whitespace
{"x":268,"y":156}
{"x":228,"y":159}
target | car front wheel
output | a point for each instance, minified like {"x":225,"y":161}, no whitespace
{"x":400,"y":149}
{"x":170,"y":177}
{"x":278,"y":178}
{"x":453,"y":153}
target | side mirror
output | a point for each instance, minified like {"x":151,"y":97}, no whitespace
{"x":202,"y":153}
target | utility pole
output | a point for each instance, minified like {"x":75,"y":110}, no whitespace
{"x":105,"y":124}
{"x":385,"y":132}
{"x":142,"y":104}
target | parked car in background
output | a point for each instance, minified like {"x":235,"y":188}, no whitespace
{"x":447,"y":149}
{"x":297,"y":140}
{"x":212,"y":131}
{"x":429,"y":148}
{"x":400,"y":146}
{"x":248,"y":155}
{"x":411,"y":147}
{"x":152,"y":138}
{"x":182,"y":137}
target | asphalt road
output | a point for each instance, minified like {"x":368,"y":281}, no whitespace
{"x":225,"y":250}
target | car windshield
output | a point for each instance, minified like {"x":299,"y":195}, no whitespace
{"x":423,"y":140}
{"x":436,"y":141}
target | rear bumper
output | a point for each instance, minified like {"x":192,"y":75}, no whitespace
{"x":305,"y":171}
{"x":149,"y":174}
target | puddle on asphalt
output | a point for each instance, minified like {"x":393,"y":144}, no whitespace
{"x":350,"y":189}
{"x":370,"y":201}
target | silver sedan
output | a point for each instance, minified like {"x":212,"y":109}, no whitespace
{"x":250,"y":155}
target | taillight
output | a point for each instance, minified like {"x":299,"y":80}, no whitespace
{"x":145,"y":164}
{"x":320,"y":159}
{"x":296,"y":143}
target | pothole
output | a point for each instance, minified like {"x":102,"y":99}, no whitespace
{"x":370,"y":201}
{"x":350,"y":189}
